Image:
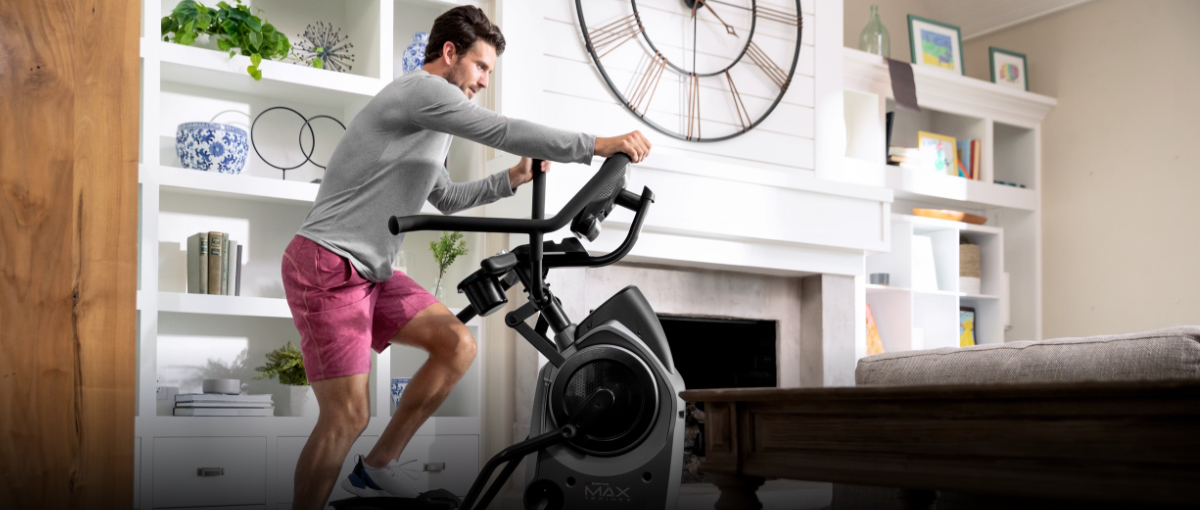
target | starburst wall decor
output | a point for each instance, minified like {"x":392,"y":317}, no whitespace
{"x":324,"y":48}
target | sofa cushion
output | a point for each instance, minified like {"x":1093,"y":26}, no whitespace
{"x":1171,"y":353}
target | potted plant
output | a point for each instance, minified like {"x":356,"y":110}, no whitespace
{"x":445,"y":251}
{"x":235,"y":29}
{"x":287,"y":363}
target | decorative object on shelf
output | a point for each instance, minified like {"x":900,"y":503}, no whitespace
{"x":414,"y":54}
{"x":398,"y":385}
{"x":969,"y":272}
{"x":214,"y":264}
{"x":938,"y":152}
{"x":936,"y":44}
{"x":924,"y":265}
{"x":966,"y":326}
{"x":221,"y":386}
{"x":300,"y":140}
{"x":235,"y":28}
{"x":288,"y":363}
{"x":947,"y":214}
{"x":1008,"y":68}
{"x":445,"y":250}
{"x":211,"y":146}
{"x":874,"y":341}
{"x":906,"y":157}
{"x":729,"y":54}
{"x":880,"y":279}
{"x":874,"y":37}
{"x":323,"y":47}
{"x":213,"y":404}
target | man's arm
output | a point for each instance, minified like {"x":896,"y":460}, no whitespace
{"x":450,"y":197}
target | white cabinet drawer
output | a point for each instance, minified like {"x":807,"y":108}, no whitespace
{"x":209,"y":471}
{"x":454,"y":461}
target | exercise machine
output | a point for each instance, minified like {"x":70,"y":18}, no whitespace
{"x":606,"y":429}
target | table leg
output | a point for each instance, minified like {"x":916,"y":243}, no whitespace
{"x":737,"y":492}
{"x":918,"y":499}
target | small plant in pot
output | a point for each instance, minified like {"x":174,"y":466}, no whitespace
{"x":235,"y":29}
{"x":287,"y":363}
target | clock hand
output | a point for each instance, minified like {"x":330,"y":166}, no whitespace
{"x":728,"y":29}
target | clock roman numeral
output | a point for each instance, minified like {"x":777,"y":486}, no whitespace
{"x":738,"y":105}
{"x":648,"y":84}
{"x":773,"y":71}
{"x":769,"y":13}
{"x":614,"y":34}
{"x":693,"y":116}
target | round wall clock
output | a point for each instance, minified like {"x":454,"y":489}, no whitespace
{"x":696,"y":70}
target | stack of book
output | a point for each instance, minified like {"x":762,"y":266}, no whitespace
{"x":905,"y":157}
{"x":214,"y":264}
{"x":968,"y":159}
{"x":216,"y":404}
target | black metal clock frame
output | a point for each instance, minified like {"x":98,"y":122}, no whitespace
{"x":749,"y":38}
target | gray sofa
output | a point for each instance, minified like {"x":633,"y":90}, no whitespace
{"x":1171,"y":353}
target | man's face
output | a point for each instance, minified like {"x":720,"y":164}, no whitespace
{"x":470,"y":71}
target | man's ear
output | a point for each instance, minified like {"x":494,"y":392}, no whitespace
{"x":449,"y":52}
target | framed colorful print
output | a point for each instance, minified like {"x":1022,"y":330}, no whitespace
{"x":936,"y":44}
{"x":938,"y":152}
{"x":966,"y":326}
{"x":1008,"y":68}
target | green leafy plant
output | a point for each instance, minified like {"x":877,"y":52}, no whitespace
{"x":287,"y":363}
{"x":445,"y":250}
{"x":236,"y":30}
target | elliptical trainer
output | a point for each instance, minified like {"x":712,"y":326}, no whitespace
{"x":607,"y":422}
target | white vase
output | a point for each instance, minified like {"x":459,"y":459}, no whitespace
{"x":303,"y":401}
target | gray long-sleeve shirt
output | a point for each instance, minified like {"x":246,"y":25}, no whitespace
{"x":391,"y":160}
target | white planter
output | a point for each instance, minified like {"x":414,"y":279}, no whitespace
{"x":302,"y":401}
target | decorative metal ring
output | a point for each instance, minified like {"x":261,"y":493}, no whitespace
{"x":272,"y":165}
{"x":312,"y":134}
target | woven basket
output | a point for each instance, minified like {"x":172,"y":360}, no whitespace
{"x":968,"y":260}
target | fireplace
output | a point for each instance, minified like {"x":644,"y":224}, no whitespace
{"x":717,"y":353}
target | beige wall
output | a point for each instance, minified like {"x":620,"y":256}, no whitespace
{"x":1120,"y":178}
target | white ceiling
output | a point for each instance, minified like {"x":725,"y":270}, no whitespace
{"x":979,"y":17}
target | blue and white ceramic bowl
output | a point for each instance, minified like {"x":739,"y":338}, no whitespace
{"x":212,"y":147}
{"x":414,"y":54}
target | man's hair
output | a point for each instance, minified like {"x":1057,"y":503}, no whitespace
{"x":462,"y":25}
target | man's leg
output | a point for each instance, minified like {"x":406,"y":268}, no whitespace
{"x":451,"y":350}
{"x":345,"y":412}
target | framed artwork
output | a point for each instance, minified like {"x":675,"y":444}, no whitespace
{"x":938,"y":152}
{"x":936,"y":44}
{"x":966,"y":326}
{"x":1008,"y":68}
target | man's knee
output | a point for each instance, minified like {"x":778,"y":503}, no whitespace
{"x":350,"y":416}
{"x":457,"y":347}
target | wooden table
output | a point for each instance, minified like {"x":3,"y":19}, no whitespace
{"x":1125,"y":442}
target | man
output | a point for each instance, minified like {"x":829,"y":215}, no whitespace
{"x":345,"y":298}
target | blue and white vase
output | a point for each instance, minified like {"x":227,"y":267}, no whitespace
{"x":414,"y":54}
{"x":212,"y":147}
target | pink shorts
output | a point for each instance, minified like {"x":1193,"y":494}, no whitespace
{"x":341,"y":315}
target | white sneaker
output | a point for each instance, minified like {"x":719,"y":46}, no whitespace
{"x":393,"y":480}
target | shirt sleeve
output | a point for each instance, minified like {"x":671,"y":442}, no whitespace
{"x":450,"y":197}
{"x":443,"y":107}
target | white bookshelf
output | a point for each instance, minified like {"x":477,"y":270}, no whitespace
{"x":1008,"y":125}
{"x":183,"y":338}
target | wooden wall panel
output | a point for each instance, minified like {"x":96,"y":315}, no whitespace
{"x":68,"y":224}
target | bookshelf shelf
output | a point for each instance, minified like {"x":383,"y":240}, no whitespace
{"x":943,"y":190}
{"x":223,"y":305}
{"x":283,"y":425}
{"x":282,"y":80}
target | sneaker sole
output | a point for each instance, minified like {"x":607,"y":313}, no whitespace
{"x":349,"y":485}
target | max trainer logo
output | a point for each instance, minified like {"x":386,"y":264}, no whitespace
{"x":599,"y":491}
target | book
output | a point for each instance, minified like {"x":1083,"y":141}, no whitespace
{"x":215,"y":411}
{"x":224,"y":263}
{"x":976,"y":168}
{"x":193,"y":264}
{"x":215,"y":249}
{"x":239,"y":405}
{"x":217,"y":397}
{"x":231,"y":275}
{"x":237,"y":289}
{"x":874,"y":342}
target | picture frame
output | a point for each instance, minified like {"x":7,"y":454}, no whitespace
{"x":938,"y":152}
{"x":1009,"y":68}
{"x":935,"y":44}
{"x":966,"y":326}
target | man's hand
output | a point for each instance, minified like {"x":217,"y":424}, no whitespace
{"x":523,"y":172}
{"x":633,"y":144}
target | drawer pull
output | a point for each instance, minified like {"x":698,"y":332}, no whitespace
{"x":210,"y":471}
{"x":435,"y":467}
